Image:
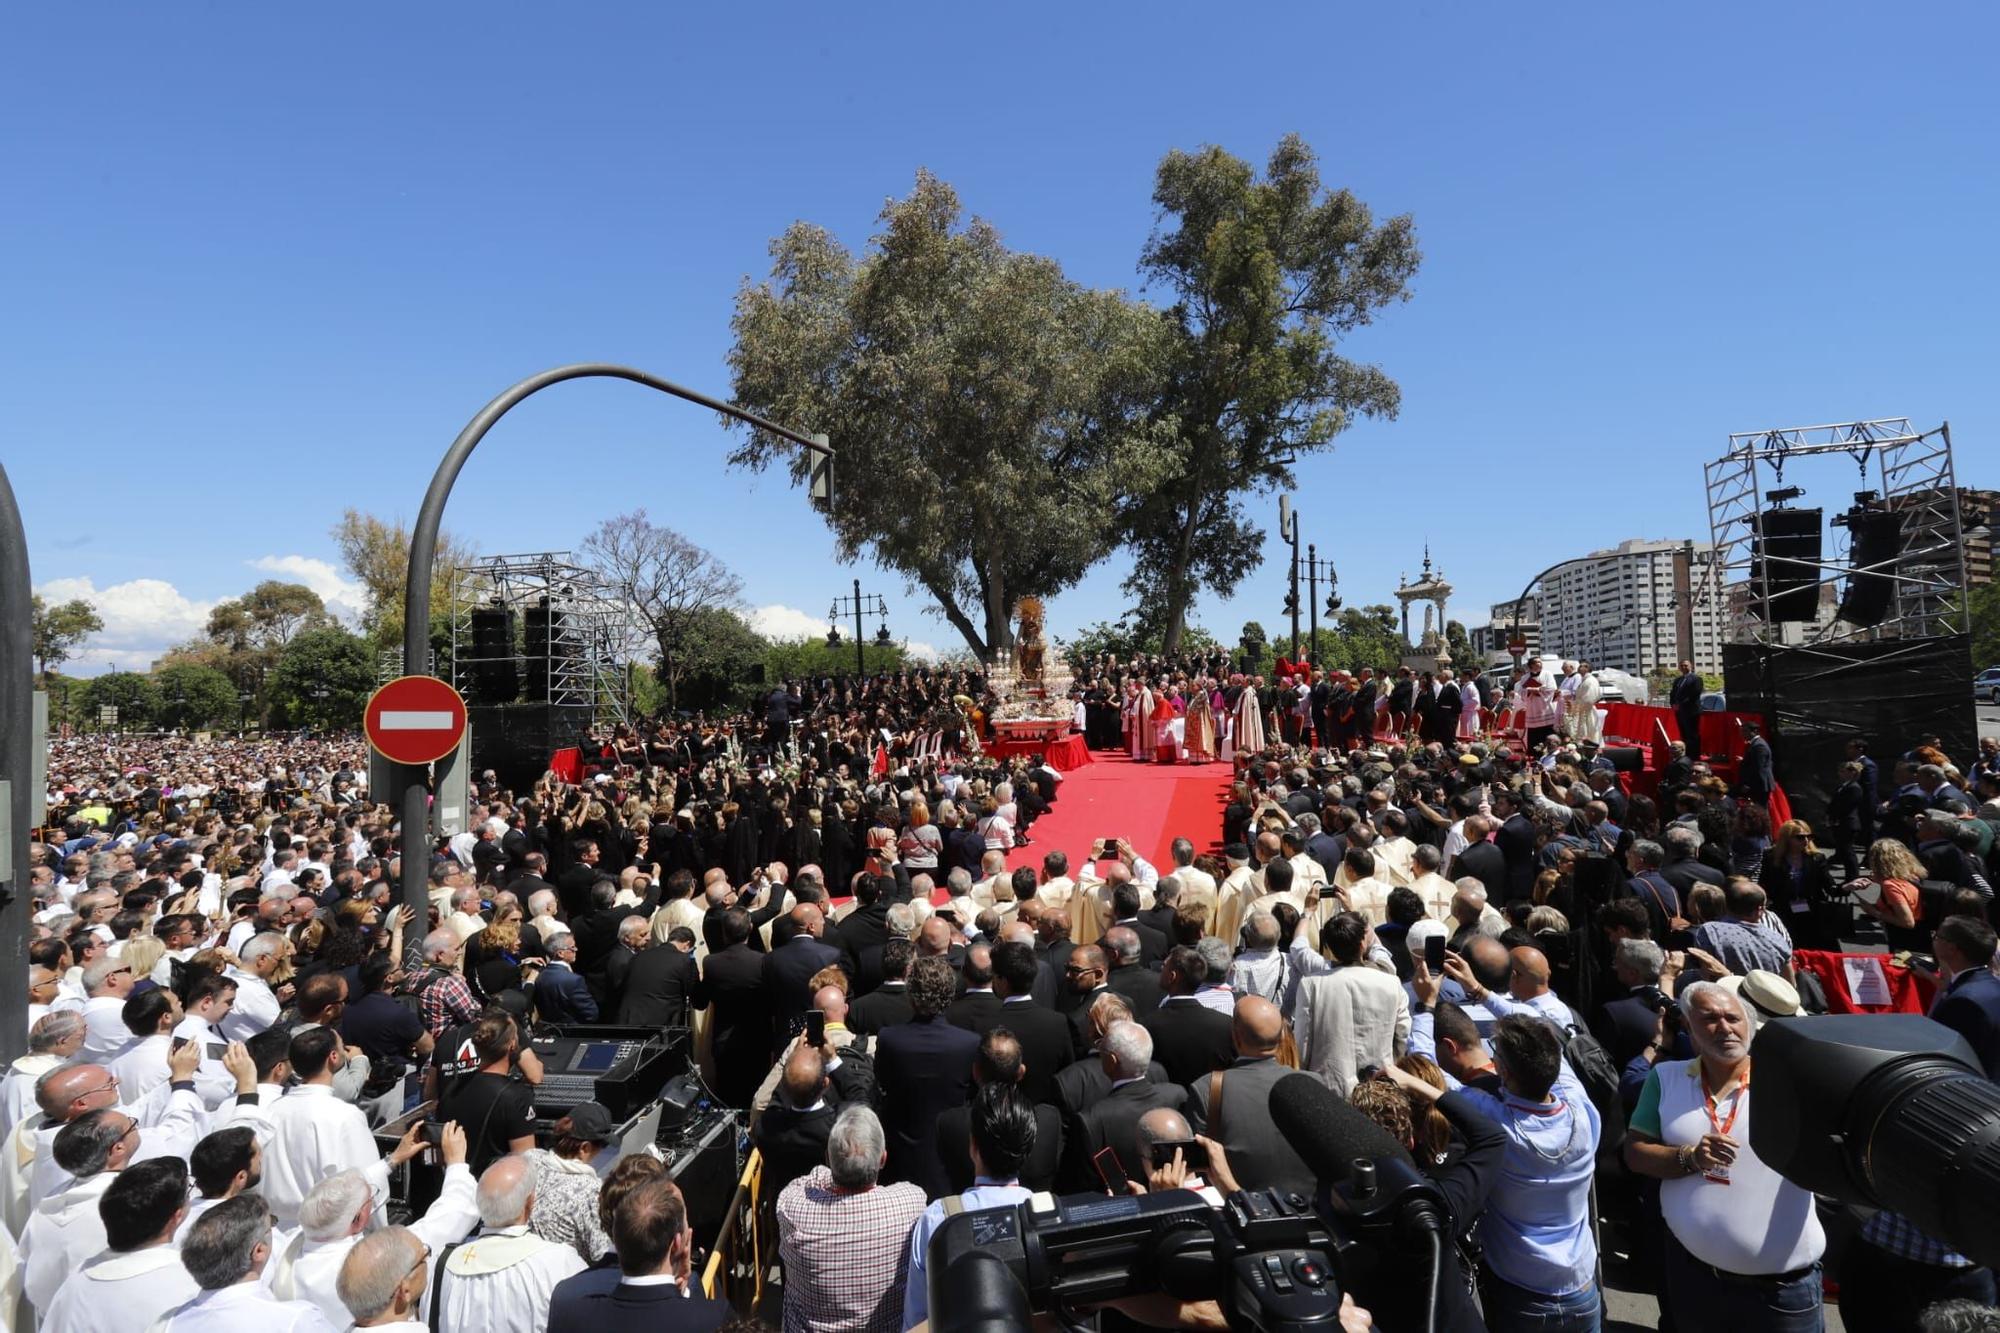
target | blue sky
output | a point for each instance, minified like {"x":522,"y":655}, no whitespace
{"x":264,"y":261}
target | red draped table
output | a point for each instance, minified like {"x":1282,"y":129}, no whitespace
{"x":1063,"y":755}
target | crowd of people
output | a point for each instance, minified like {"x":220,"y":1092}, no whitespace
{"x":1544,"y":987}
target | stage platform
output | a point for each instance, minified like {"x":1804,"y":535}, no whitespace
{"x":1148,"y":805}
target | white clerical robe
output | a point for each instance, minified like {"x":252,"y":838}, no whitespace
{"x":1468,"y":718}
{"x":17,"y":1088}
{"x":255,"y":1010}
{"x":501,"y":1282}
{"x":121,"y":1293}
{"x":1587,"y":726}
{"x":313,"y":1135}
{"x":105,"y":1035}
{"x":309,"y":1269}
{"x":246,"y":1306}
{"x":62,"y":1232}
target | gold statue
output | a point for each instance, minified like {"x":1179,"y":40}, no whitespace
{"x":1028,"y":646}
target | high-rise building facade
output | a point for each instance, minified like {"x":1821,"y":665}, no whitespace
{"x":1617,"y":608}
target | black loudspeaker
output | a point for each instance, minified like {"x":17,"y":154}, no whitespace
{"x":1876,"y":539}
{"x":494,"y":679}
{"x":701,"y":1159}
{"x":756,"y":673}
{"x":1626,"y":758}
{"x":1787,"y":558}
{"x":516,"y":740}
{"x":535,"y":639}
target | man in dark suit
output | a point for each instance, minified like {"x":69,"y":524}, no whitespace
{"x":1113,"y":1120}
{"x":597,"y":933}
{"x":1084,"y":979}
{"x":1685,"y":699}
{"x":1153,"y":944}
{"x":1189,"y":1038}
{"x":789,"y":969}
{"x":662,"y":988}
{"x":1755,"y":772}
{"x":1129,"y":976}
{"x":1259,"y":1155}
{"x":999,"y":1062}
{"x":1515,"y":837}
{"x":1044,"y":1035}
{"x":924,"y":1068}
{"x":1653,"y":890}
{"x":1626,"y":1026}
{"x":867,"y":926}
{"x":888,"y":1003}
{"x":532,"y":879}
{"x":634,"y":934}
{"x":1159,"y":918}
{"x":1366,"y":689}
{"x":575,"y":884}
{"x":792,"y":1131}
{"x":654,"y":1240}
{"x":1485,"y":862}
{"x":1682,"y":869}
{"x":740,"y":1027}
{"x":1970,"y":1006}
{"x":978,"y":1008}
{"x":560,"y":994}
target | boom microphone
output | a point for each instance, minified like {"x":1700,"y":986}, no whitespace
{"x":1327,"y":1133}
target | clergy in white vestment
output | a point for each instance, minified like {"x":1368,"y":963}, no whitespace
{"x":256,"y":1006}
{"x":501,"y":1280}
{"x":1235,"y":893}
{"x":384,"y":1279}
{"x":314,"y":1134}
{"x":1587,"y":727}
{"x":226,"y":1252}
{"x":67,"y":1228}
{"x":1468,"y":717}
{"x":139,"y":1275}
{"x":171,"y":1118}
{"x":338,"y":1212}
{"x":1249,"y":734}
{"x":55,"y":1040}
{"x":107,"y":981}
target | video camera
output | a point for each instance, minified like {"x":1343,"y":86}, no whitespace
{"x":1272,"y":1260}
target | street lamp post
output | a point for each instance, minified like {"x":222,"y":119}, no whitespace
{"x":415,"y":779}
{"x":17,"y":724}
{"x":1313,"y":566}
{"x":1288,"y":531}
{"x":859,"y":604}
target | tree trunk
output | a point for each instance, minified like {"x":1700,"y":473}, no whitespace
{"x":958,"y":619}
{"x":1178,"y":592}
{"x":999,"y":635}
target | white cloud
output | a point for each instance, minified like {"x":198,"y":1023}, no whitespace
{"x":142,"y":619}
{"x":781,"y":622}
{"x":343,"y":596}
{"x":786,"y":622}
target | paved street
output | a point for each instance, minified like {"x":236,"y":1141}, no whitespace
{"x":1989,"y":720}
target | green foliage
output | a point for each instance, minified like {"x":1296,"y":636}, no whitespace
{"x":60,"y":630}
{"x":1125,"y":640}
{"x":716,"y":649}
{"x":194,"y":696}
{"x":1983,"y":605}
{"x":322,"y":679}
{"x":136,"y":697}
{"x":1457,"y":642}
{"x":1267,"y":277}
{"x":1366,"y":636}
{"x":796,"y":659}
{"x":986,"y":411}
{"x":377,"y":554}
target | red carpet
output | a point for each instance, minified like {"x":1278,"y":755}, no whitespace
{"x":1148,"y":805}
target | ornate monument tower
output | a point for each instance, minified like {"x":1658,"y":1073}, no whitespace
{"x":1428,"y":651}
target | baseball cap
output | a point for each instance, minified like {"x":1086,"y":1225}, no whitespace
{"x":591,"y":1122}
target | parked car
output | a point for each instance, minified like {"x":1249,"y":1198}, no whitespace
{"x":1714,"y":702}
{"x":1986,"y":686}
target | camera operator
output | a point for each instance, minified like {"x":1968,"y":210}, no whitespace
{"x":1743,"y":1244}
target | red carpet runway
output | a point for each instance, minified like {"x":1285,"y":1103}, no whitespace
{"x":1148,"y":805}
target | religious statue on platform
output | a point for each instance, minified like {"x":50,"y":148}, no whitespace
{"x":1029,"y":648}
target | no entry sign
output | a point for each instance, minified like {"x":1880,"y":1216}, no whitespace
{"x":414,"y":720}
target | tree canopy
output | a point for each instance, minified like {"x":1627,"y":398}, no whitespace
{"x":986,"y":411}
{"x":675,"y":586}
{"x":60,"y":629}
{"x":323,"y":679}
{"x":1267,"y":277}
{"x":377,"y":555}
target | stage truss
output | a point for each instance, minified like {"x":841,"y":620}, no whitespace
{"x":1911,"y":473}
{"x":592,"y":631}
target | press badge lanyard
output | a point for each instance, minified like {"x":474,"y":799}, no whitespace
{"x":1720,"y":1175}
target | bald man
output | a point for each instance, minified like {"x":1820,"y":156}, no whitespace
{"x":1527,"y":988}
{"x":789,"y":969}
{"x":1258,"y":1154}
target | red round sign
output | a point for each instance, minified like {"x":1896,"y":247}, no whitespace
{"x":414,"y":720}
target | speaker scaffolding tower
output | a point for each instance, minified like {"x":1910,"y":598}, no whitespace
{"x":575,"y":659}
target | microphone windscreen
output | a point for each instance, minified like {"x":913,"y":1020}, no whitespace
{"x":1326,"y":1132}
